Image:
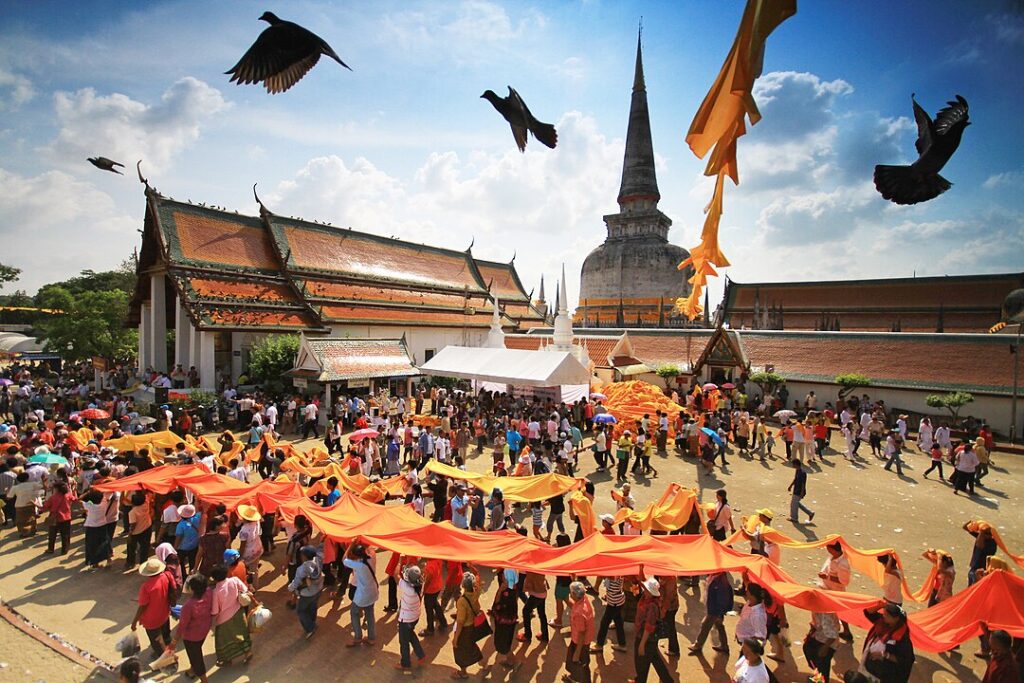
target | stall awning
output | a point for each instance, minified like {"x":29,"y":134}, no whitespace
{"x":508,"y":366}
{"x":335,"y":360}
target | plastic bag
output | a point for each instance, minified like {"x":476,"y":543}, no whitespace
{"x":128,"y":645}
{"x":258,"y":619}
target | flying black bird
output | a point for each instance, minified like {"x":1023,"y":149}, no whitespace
{"x":519,"y":117}
{"x":281,"y":56}
{"x":936,"y":142}
{"x":105,"y":164}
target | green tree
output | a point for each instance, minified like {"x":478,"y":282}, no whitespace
{"x":92,"y":324}
{"x":768,"y":381}
{"x":850,"y":382}
{"x":668,"y":372}
{"x":8,"y":274}
{"x":273,"y":356}
{"x":952,"y":402}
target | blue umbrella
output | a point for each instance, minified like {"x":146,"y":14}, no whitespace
{"x":605,"y":418}
{"x":714,"y":435}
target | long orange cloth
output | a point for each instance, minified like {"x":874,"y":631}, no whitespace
{"x":997,"y":600}
{"x":975,"y":524}
{"x":864,"y":561}
{"x":720,"y":122}
{"x":514,"y":489}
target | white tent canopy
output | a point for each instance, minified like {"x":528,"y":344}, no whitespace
{"x":508,"y":366}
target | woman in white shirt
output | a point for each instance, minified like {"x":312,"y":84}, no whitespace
{"x":750,"y":668}
{"x":97,"y":543}
{"x":753,"y":621}
{"x":892,"y":580}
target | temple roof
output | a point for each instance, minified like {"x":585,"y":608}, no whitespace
{"x":336,"y":359}
{"x":270,"y":272}
{"x":639,"y":180}
{"x":968,"y":303}
{"x":979,"y":363}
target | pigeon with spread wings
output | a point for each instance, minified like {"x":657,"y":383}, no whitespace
{"x":105,"y":164}
{"x":936,"y":142}
{"x":281,"y":56}
{"x":522,"y":121}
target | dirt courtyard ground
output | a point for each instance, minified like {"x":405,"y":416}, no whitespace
{"x":871,"y":507}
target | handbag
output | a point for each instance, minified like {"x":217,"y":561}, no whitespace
{"x":481,"y":627}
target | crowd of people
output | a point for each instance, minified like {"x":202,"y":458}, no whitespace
{"x":201,"y":563}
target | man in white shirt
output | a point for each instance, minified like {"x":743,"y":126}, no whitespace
{"x":239,"y":471}
{"x":271,"y":415}
{"x":309,"y":416}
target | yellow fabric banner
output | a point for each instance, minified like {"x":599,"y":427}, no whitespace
{"x":514,"y":489}
{"x":719,"y":123}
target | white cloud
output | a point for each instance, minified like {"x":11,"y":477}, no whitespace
{"x":53,"y":225}
{"x":795,"y":104}
{"x":508,"y":202}
{"x":1009,"y":179}
{"x":15,"y":90}
{"x":118,"y":127}
{"x":468,"y":32}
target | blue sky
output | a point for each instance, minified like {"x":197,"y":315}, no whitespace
{"x":403,"y":145}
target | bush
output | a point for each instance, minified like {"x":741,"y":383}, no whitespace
{"x":273,"y":356}
{"x":768,"y":381}
{"x":952,"y":402}
{"x":194,"y":400}
{"x":850,"y":382}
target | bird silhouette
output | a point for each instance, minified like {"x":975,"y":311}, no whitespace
{"x":105,"y":164}
{"x":519,"y":117}
{"x":936,"y":142}
{"x":281,"y":56}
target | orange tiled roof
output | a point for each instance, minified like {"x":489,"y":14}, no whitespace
{"x":342,"y":359}
{"x":598,"y":348}
{"x":397,"y":316}
{"x":224,"y":317}
{"x":968,"y":302}
{"x":676,"y":349}
{"x":368,"y":257}
{"x":502,"y":279}
{"x":353,"y":292}
{"x":972,"y":362}
{"x":205,"y":238}
{"x":210,"y":288}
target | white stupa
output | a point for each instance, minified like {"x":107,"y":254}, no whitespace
{"x":495,"y":336}
{"x":562,"y":338}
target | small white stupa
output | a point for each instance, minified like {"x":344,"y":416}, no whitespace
{"x":495,"y":336}
{"x":562,"y":338}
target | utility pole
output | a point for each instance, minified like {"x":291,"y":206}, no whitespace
{"x":1016,"y":384}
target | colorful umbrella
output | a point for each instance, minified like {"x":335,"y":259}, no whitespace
{"x":785,"y":414}
{"x":49,"y":459}
{"x":605,"y":419}
{"x":728,"y":385}
{"x":599,"y":396}
{"x":709,"y":386}
{"x":361,"y":434}
{"x":4,"y":382}
{"x":94,"y":414}
{"x":714,"y":435}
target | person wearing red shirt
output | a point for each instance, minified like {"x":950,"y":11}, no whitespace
{"x":820,"y":437}
{"x":452,"y":583}
{"x":154,"y":612}
{"x":433,"y":583}
{"x":59,"y":521}
{"x":1002,"y":667}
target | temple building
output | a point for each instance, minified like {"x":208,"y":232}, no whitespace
{"x":633,"y":278}
{"x":959,"y":303}
{"x":221,"y":281}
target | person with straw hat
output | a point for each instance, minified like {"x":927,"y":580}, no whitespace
{"x":251,"y":547}
{"x":154,"y":611}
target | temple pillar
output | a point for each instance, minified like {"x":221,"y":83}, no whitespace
{"x":208,"y":366}
{"x":182,"y":337}
{"x":158,"y":315}
{"x":143,"y":359}
{"x":325,"y":409}
{"x":236,"y":356}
